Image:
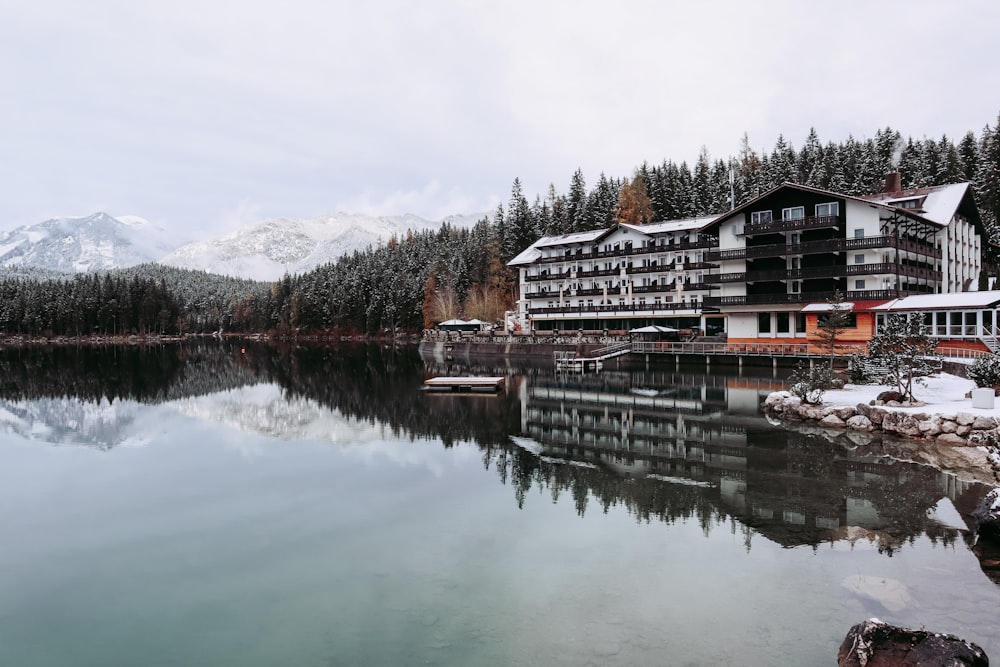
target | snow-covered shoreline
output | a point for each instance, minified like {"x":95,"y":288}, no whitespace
{"x":942,"y":414}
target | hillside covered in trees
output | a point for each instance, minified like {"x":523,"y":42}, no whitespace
{"x":415,"y":281}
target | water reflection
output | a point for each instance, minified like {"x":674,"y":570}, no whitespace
{"x":665,"y":444}
{"x":672,"y":504}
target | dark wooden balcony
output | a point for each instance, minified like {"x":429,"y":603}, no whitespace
{"x":821,"y":247}
{"x":775,"y":226}
{"x":688,"y":306}
{"x":802,"y":297}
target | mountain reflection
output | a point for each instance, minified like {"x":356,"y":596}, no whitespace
{"x":666,"y":445}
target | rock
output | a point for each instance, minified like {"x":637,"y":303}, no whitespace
{"x":887,"y":396}
{"x":981,"y":423}
{"x":948,"y":426}
{"x":845,"y":413}
{"x":951,"y":439}
{"x":930,"y":427}
{"x":984,"y":438}
{"x":965,"y":418}
{"x":893,"y":404}
{"x":860,"y":423}
{"x":775,"y":399}
{"x":863,"y":409}
{"x":900,"y":422}
{"x":876,"y":415}
{"x":873,"y":643}
{"x":832,"y":421}
{"x":963,"y":430}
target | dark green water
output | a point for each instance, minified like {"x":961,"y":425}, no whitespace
{"x":211,"y":506}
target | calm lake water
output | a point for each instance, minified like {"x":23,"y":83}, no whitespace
{"x":212,"y":505}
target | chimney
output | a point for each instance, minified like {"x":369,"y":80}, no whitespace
{"x":892,"y":182}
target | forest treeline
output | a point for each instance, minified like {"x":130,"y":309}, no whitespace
{"x":412,"y":282}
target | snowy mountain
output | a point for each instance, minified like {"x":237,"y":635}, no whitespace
{"x":269,"y":249}
{"x":77,"y":245}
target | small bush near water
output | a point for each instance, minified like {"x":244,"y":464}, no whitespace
{"x":809,"y":384}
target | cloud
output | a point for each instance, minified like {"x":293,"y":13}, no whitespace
{"x":176,"y":111}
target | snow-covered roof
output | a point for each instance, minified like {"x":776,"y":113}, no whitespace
{"x":674,"y":225}
{"x":530,"y":254}
{"x":940,"y":202}
{"x":847,"y":306}
{"x":985,"y":299}
{"x":569,"y":239}
{"x":526,"y":256}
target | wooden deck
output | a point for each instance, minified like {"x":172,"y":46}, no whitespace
{"x":466,"y":384}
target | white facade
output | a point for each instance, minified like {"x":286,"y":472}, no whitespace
{"x":750,"y":271}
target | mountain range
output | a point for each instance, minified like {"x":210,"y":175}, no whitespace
{"x":263,"y":251}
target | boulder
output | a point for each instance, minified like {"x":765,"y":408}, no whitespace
{"x":887,"y":396}
{"x":948,"y":426}
{"x":951,"y":439}
{"x":860,"y":423}
{"x":845,"y":413}
{"x":832,"y":421}
{"x":930,"y":427}
{"x":984,"y":438}
{"x":900,"y":422}
{"x":965,"y":418}
{"x":981,"y":423}
{"x":873,"y":643}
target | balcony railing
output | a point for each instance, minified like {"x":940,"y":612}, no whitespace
{"x":576,"y":311}
{"x":825,"y":272}
{"x":772,"y":226}
{"x":579,"y":254}
{"x":825,"y":246}
{"x":802,"y":297}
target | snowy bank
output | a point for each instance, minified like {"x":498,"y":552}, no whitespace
{"x":941,"y":414}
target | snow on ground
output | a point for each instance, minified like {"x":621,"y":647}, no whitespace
{"x":943,"y":394}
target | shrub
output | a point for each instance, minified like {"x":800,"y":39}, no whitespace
{"x":857,"y":372}
{"x":809,"y":384}
{"x":985,"y":371}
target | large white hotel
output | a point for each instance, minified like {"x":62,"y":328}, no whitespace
{"x":749,"y":273}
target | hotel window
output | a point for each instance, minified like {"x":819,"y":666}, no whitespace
{"x":859,"y":233}
{"x":800,"y":322}
{"x":763,"y":323}
{"x":859,"y":259}
{"x":793,"y":213}
{"x":783,"y":323}
{"x":760,"y":216}
{"x":796,"y":286}
{"x":859,"y":284}
{"x":795,"y":262}
{"x":795,"y":239}
{"x":829,"y":209}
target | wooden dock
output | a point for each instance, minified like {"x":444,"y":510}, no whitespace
{"x":466,"y":384}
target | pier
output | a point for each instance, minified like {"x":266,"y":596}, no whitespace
{"x":465,"y":384}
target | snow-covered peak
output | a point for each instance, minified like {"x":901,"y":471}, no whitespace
{"x":91,"y":243}
{"x":269,"y":249}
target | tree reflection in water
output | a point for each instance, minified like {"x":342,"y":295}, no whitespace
{"x":665,"y":445}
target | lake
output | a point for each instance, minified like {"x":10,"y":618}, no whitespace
{"x":238,"y":504}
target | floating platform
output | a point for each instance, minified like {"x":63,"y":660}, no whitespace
{"x":466,"y":384}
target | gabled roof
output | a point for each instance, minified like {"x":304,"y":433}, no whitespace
{"x":940,"y":202}
{"x":946,"y":201}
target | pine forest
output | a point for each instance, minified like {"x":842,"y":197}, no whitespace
{"x":411,"y":283}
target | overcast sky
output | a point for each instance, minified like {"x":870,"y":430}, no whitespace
{"x":201,"y":115}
